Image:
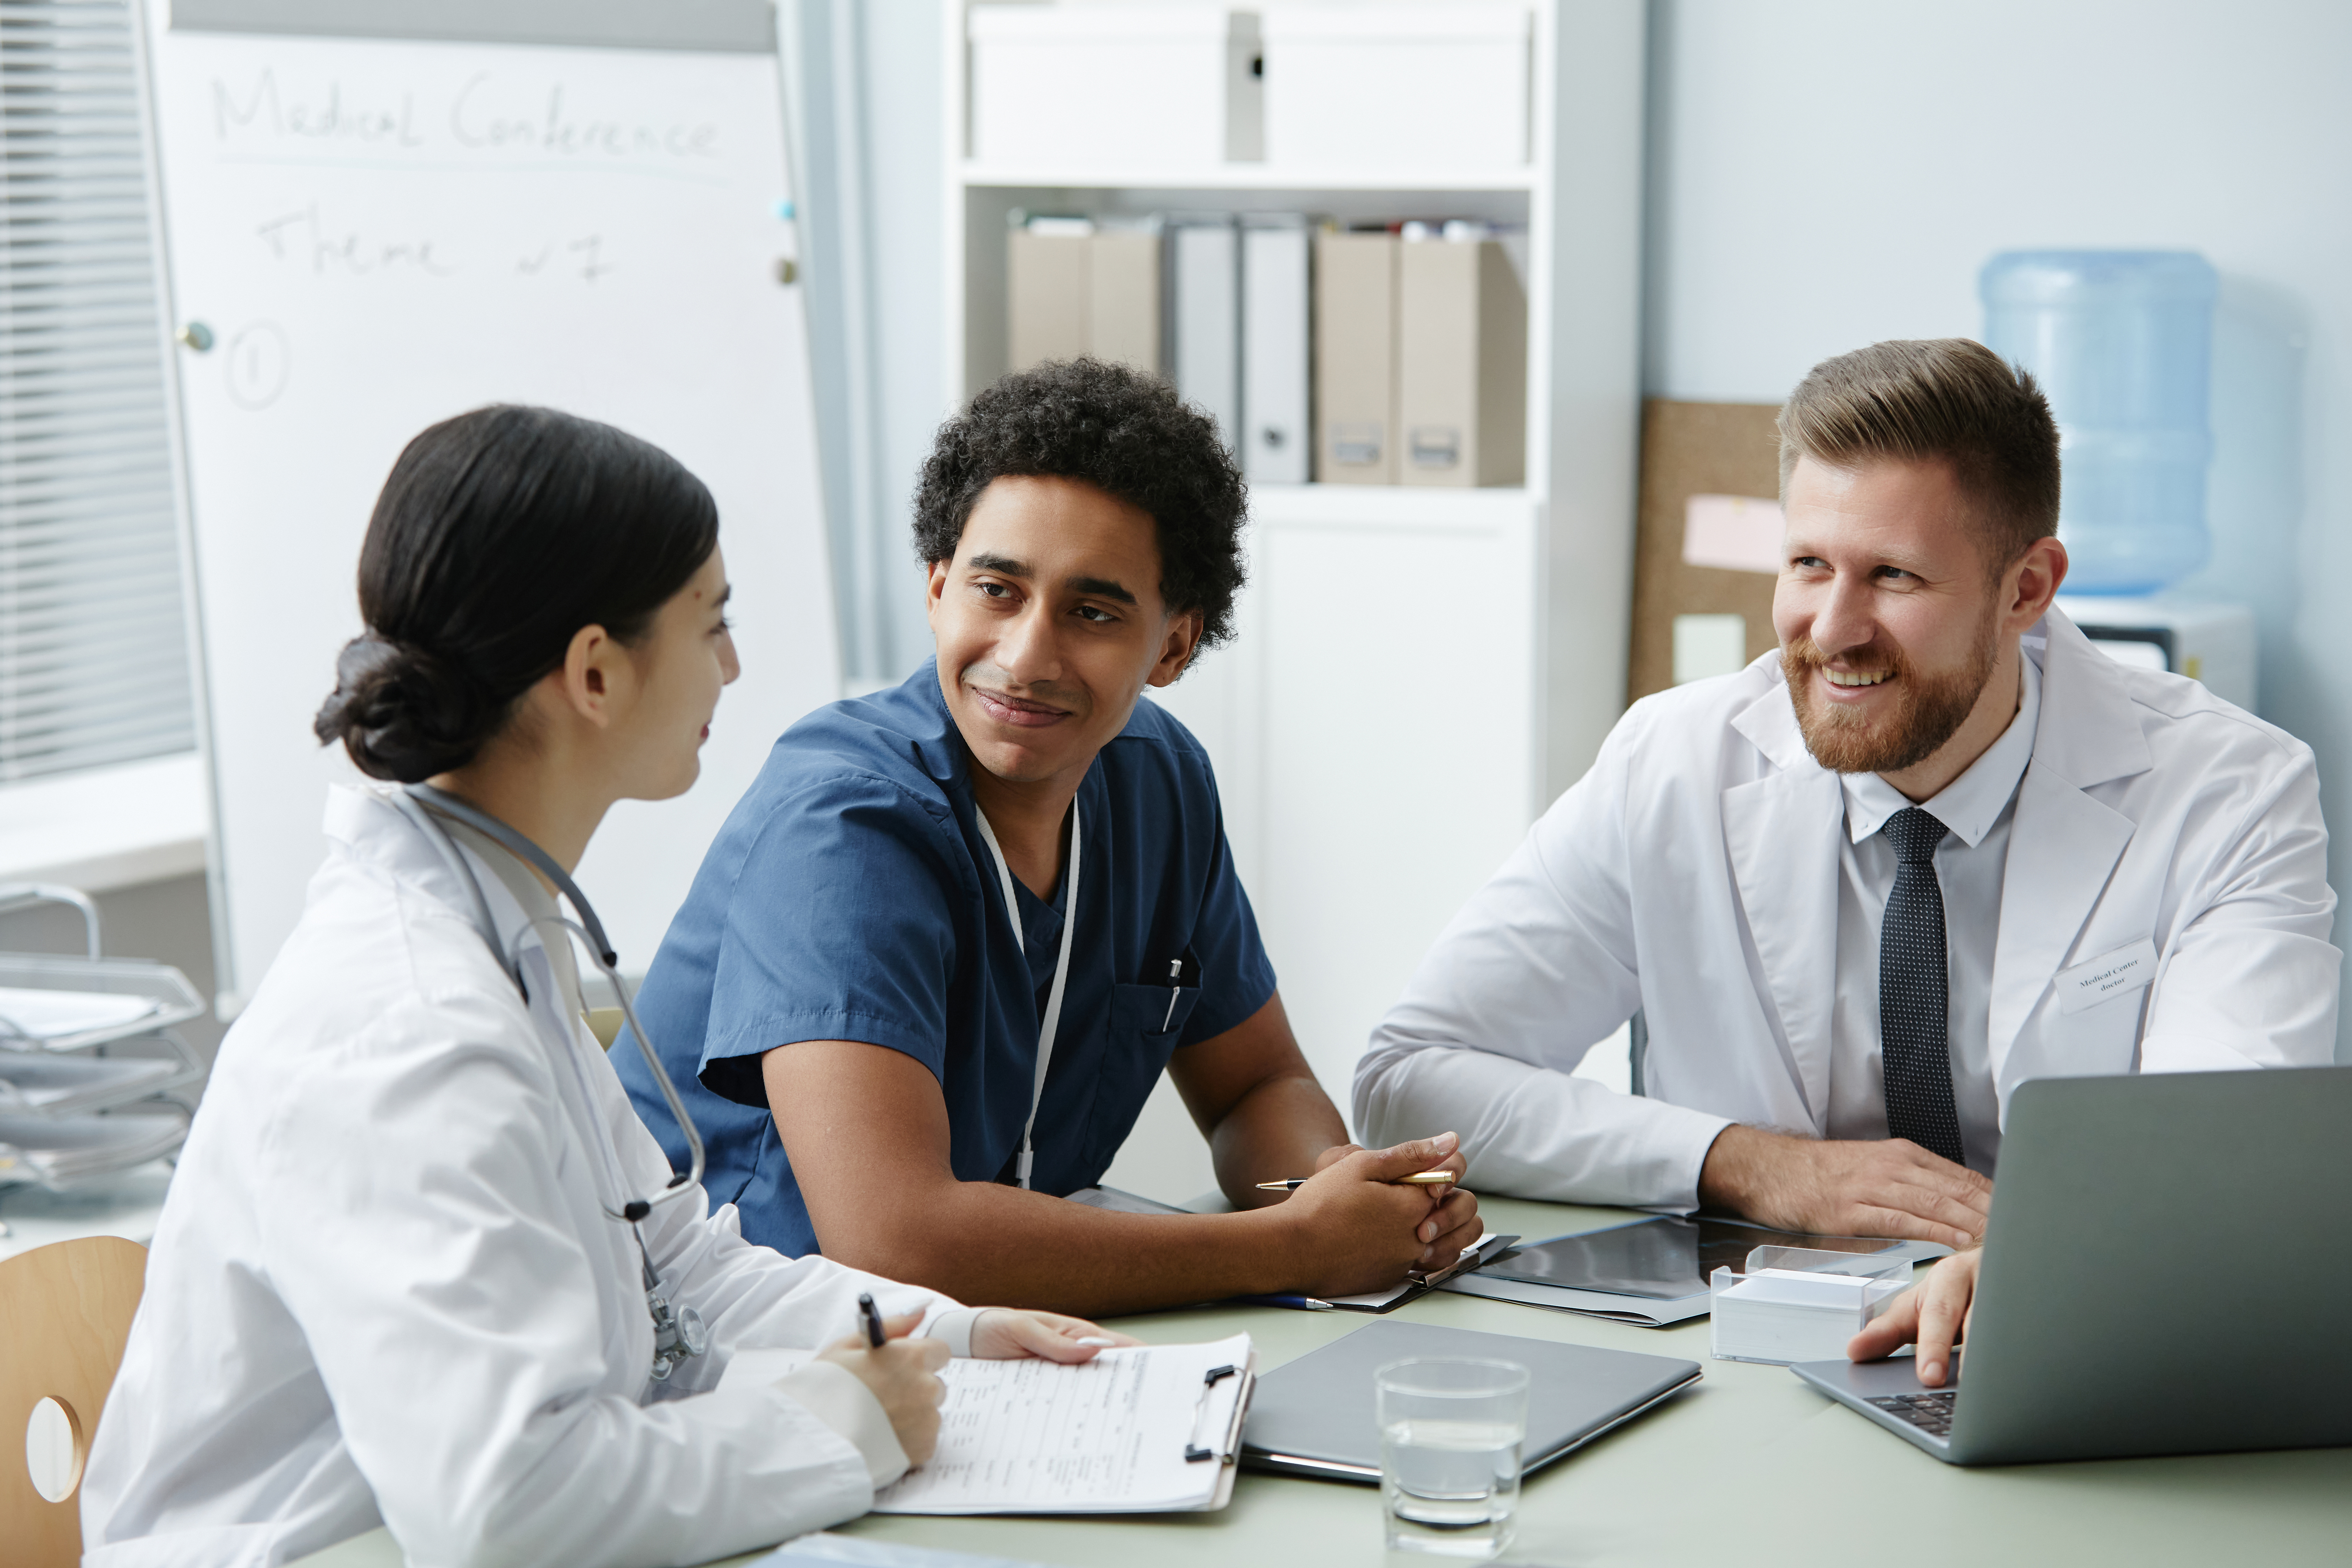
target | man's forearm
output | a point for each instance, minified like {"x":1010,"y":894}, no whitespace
{"x":1533,"y":1132}
{"x":985,"y":1242}
{"x":1278,"y":1130}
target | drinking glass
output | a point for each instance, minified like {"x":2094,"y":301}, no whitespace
{"x":1450,"y":1434}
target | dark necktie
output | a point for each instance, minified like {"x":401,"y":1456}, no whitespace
{"x":1914,"y":1039}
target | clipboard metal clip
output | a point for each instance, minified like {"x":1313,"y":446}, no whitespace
{"x":1193,"y":1450}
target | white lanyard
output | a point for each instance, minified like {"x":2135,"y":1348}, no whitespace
{"x":1053,"y":1018}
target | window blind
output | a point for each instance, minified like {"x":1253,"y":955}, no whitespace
{"x":93,"y":657}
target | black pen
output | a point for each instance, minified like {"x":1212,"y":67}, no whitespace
{"x":871,"y":1316}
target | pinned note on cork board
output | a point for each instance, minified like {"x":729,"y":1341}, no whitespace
{"x":1709,"y":540}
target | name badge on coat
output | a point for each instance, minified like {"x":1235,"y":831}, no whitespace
{"x":2105,"y":977}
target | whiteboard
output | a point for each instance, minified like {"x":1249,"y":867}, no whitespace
{"x":380,"y":232}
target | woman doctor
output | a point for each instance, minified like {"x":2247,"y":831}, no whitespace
{"x":421,"y":1264}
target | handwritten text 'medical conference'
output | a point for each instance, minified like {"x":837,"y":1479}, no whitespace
{"x":480,"y":116}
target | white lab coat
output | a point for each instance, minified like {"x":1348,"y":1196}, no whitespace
{"x":1693,"y":874}
{"x":382,"y":1290}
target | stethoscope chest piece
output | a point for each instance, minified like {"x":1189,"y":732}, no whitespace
{"x":678,"y":1334}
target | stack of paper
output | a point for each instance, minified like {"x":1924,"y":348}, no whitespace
{"x":1107,"y":1436}
{"x":33,"y":1015}
{"x":48,"y":1085}
{"x":1781,"y":1315}
{"x":59,"y":1151}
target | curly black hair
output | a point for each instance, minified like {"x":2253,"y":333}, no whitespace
{"x":1121,"y":430}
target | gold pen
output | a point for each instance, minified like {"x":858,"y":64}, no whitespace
{"x":1418,"y":1179}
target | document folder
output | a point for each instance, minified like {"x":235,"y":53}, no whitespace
{"x":1123,"y":301}
{"x":1462,"y":363}
{"x":1139,"y":1429}
{"x":1276,"y":438}
{"x":1049,"y":279}
{"x":1207,"y":337}
{"x":1354,"y":358}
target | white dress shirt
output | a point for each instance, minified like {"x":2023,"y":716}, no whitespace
{"x":1976,"y":807}
{"x":1697,"y":873}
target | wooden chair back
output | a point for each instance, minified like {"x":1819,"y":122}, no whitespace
{"x":65,"y":1314}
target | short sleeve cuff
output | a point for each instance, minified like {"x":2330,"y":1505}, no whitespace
{"x":952,"y":1327}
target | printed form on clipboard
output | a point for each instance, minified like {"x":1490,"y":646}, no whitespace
{"x":1141,"y":1429}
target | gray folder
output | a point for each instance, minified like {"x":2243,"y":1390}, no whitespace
{"x":1276,"y":446}
{"x":1314,"y":1415}
{"x":1206,"y":350}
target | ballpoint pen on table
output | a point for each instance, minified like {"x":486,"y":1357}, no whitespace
{"x":1286,"y":1299}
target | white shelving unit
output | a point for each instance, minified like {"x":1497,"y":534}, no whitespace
{"x":1417,"y":672}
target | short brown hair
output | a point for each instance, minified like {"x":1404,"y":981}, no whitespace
{"x":1930,"y":398}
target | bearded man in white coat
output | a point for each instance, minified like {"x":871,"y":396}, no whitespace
{"x":1861,"y":890}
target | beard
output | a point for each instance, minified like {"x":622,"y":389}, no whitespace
{"x":1928,"y":708}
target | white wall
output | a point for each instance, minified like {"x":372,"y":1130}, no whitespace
{"x":1825,"y":174}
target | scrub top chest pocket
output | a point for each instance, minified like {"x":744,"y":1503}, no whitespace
{"x":1147,"y":1023}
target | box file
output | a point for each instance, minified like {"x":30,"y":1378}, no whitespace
{"x":1075,"y":287}
{"x":1205,"y":350}
{"x":1049,"y":281}
{"x":1354,"y":358}
{"x":1277,"y":437}
{"x":1123,"y":303}
{"x":1462,"y":363}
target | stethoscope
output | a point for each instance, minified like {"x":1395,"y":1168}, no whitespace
{"x":678,"y":1332}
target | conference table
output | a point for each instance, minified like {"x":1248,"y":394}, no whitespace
{"x":1746,"y":1468}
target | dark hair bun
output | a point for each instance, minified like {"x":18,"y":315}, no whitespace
{"x":403,"y":714}
{"x":501,"y":534}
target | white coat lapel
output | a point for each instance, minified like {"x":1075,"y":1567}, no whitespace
{"x":2062,"y":843}
{"x":1780,"y":832}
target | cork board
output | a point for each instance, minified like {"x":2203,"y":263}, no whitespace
{"x":1688,"y":449}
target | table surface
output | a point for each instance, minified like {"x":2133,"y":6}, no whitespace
{"x":1748,"y":1466}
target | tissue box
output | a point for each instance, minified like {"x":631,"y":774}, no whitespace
{"x":1790,"y":1306}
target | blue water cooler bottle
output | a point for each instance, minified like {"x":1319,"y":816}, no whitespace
{"x":2122,"y":342}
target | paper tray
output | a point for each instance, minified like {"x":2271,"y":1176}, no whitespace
{"x":64,"y":1151}
{"x":53,"y":1083}
{"x":175,"y":1001}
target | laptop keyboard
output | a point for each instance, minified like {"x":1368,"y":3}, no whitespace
{"x":1931,"y":1413}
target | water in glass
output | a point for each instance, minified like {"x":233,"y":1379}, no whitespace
{"x":1451,"y":1431}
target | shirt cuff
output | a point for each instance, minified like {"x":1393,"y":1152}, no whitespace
{"x":1684,"y":1152}
{"x":953,"y":1327}
{"x":835,"y":1396}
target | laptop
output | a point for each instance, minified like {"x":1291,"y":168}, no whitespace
{"x":2167,"y":1270}
{"x":1314,"y":1415}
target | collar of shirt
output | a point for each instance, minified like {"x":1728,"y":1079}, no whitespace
{"x":1972,"y":803}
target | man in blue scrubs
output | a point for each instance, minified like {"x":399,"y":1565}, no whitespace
{"x":1011,"y":848}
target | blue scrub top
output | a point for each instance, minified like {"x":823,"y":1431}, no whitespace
{"x":850,"y":897}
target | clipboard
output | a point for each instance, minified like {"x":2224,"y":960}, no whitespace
{"x":1485,"y":1251}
